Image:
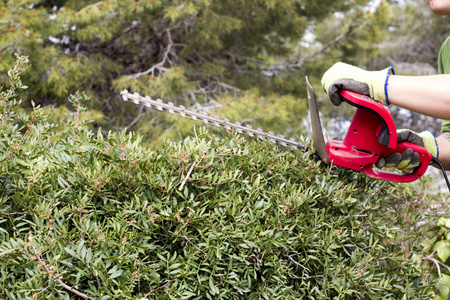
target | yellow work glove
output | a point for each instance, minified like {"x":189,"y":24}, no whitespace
{"x":408,"y":160}
{"x":348,"y":77}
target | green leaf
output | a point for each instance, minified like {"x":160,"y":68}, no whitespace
{"x":444,"y":222}
{"x":214,"y":289}
{"x":443,"y":250}
{"x":71,"y":252}
{"x":116,"y":274}
{"x":174,"y":266}
{"x":23,"y":162}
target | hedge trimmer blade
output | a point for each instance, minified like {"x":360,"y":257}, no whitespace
{"x":182,"y":111}
{"x":316,"y":125}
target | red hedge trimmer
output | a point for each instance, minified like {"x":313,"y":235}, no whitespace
{"x":371,"y":135}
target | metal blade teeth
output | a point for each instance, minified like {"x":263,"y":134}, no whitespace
{"x":170,"y":109}
{"x":159,"y":106}
{"x":147,"y":103}
{"x":260,"y":133}
{"x":136,"y":99}
{"x":192,"y":116}
{"x":227,"y":124}
{"x":215,"y":120}
{"x":124,"y":95}
{"x":249,"y":130}
{"x":239,"y":130}
{"x":271,"y":137}
{"x":181,"y":112}
{"x":205,"y":115}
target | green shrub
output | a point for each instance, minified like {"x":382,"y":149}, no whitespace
{"x":84,"y":215}
{"x":435,"y":230}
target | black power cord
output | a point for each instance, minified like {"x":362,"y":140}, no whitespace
{"x":436,"y":161}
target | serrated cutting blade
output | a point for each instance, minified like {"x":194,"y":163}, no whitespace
{"x":215,"y":120}
{"x":319,"y":141}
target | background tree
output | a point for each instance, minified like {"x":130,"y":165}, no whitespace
{"x":242,"y":59}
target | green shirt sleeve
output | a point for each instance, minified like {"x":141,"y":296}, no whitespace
{"x":444,"y":68}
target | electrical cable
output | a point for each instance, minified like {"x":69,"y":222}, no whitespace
{"x":435,"y":160}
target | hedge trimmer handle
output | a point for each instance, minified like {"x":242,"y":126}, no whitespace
{"x":425,"y":158}
{"x":371,"y":135}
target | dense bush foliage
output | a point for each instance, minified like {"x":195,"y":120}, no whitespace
{"x":89,"y":216}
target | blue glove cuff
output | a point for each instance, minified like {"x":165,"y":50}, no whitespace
{"x":437,"y":146}
{"x":389,"y":70}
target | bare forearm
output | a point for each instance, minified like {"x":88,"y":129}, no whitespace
{"x":444,"y":149}
{"x":428,"y":95}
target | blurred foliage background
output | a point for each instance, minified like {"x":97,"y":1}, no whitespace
{"x":245,"y":60}
{"x":214,"y":56}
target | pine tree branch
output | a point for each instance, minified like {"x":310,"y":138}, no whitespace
{"x":243,"y":121}
{"x":92,"y":5}
{"x":159,"y":66}
{"x":337,"y":40}
{"x":158,"y":36}
{"x":300,"y":62}
{"x":19,"y":5}
{"x":216,"y":87}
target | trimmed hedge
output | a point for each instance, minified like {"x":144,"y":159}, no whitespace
{"x":84,"y":215}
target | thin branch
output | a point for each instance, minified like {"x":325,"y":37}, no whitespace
{"x":295,"y":262}
{"x":43,"y":290}
{"x":252,"y":119}
{"x":158,"y":36}
{"x":159,"y":66}
{"x":189,"y":241}
{"x":187,"y":176}
{"x":313,"y":277}
{"x":215,"y":87}
{"x":16,"y":7}
{"x":436,"y":262}
{"x":420,"y":224}
{"x":196,"y":136}
{"x":356,"y":246}
{"x":228,"y":87}
{"x":140,"y":115}
{"x":191,"y":215}
{"x":327,"y":46}
{"x":56,"y":277}
{"x":92,"y":5}
{"x":157,"y":289}
{"x":300,"y":62}
{"x":13,"y":213}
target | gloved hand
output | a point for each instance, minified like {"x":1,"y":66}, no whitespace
{"x":408,"y":160}
{"x":347,"y":77}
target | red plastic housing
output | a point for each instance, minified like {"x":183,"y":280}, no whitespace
{"x":372,"y":134}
